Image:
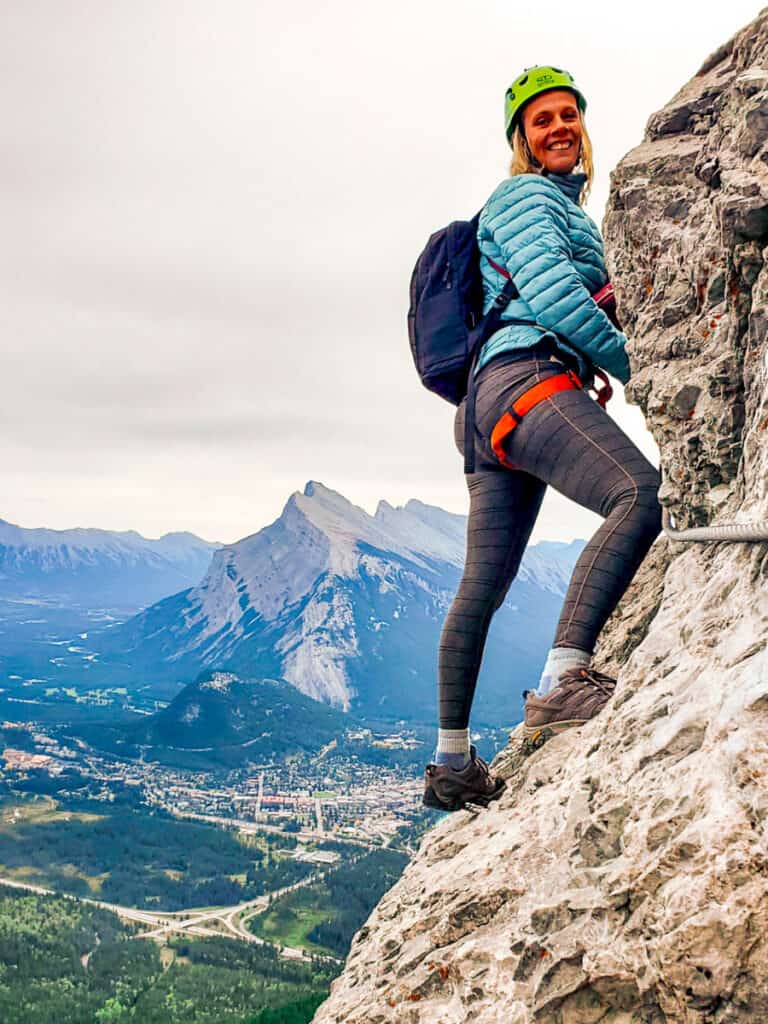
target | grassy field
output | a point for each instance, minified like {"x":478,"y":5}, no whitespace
{"x":42,"y":810}
{"x":45,"y":811}
{"x":36,"y":876}
{"x":322,"y":916}
{"x":291,"y":918}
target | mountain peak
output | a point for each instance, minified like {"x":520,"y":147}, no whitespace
{"x":383,"y":509}
{"x":324,"y":507}
{"x":316,"y":489}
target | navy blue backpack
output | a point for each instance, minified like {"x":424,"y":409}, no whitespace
{"x":446,"y":325}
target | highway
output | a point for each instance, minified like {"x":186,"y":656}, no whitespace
{"x":195,"y":922}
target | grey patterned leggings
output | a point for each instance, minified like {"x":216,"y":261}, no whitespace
{"x":567,"y":441}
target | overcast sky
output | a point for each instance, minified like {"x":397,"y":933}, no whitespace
{"x":210,"y":213}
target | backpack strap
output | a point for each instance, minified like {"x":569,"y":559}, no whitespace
{"x":484,"y":330}
{"x":499,"y":269}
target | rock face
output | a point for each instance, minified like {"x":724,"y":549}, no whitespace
{"x":685,"y":230}
{"x":623,"y":876}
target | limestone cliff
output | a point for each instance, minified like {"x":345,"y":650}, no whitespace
{"x":623,"y":876}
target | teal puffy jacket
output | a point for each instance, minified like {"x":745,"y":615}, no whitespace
{"x":533,"y":226}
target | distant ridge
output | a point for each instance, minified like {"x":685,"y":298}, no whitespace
{"x":87,"y":567}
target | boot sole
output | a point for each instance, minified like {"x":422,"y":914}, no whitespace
{"x":431,"y":799}
{"x":535,"y":736}
{"x":554,"y":728}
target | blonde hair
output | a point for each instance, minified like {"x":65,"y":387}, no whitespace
{"x":523,"y":159}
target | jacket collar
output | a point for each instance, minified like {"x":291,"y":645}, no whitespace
{"x":571,"y":183}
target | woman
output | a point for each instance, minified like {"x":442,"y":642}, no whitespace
{"x":534,"y":229}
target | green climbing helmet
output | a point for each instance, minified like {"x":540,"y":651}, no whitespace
{"x":532,"y":82}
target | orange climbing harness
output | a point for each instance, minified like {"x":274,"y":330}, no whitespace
{"x":559,"y":382}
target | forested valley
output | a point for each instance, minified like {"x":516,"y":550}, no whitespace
{"x":66,"y":962}
{"x":140,"y":859}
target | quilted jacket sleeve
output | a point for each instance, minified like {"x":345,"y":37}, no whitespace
{"x":528,"y":220}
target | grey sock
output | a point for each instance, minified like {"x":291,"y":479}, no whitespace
{"x":560,"y":659}
{"x":455,"y":761}
{"x":453,"y":747}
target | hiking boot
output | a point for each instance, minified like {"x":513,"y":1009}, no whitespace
{"x":449,"y":789}
{"x":580,"y":694}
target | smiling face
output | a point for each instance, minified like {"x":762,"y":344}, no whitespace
{"x":552,"y":124}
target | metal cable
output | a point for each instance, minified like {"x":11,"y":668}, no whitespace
{"x":749,"y":532}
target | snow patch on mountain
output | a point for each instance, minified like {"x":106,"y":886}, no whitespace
{"x":424,"y":529}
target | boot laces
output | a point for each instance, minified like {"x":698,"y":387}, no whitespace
{"x":602,"y":681}
{"x":591,"y":677}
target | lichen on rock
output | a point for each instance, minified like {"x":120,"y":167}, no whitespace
{"x":622,"y":877}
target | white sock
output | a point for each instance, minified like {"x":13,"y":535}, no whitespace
{"x":558,"y":661}
{"x":452,"y":747}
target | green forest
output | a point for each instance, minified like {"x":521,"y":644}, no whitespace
{"x":324,"y":915}
{"x":65,"y":962}
{"x":300,"y":1012}
{"x":138,"y":859}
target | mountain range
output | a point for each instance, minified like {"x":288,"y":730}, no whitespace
{"x":348,"y":608}
{"x":89,"y":568}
